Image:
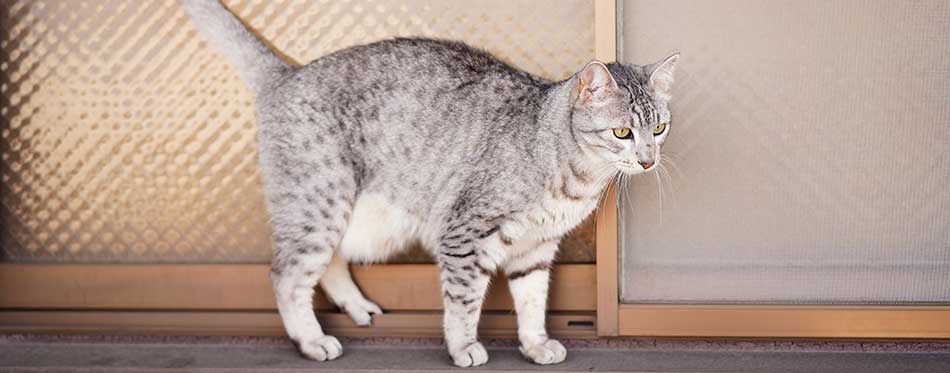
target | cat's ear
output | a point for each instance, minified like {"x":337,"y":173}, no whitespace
{"x":661,"y":78}
{"x":594,"y":82}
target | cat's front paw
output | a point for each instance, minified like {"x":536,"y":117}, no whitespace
{"x":469,"y":356}
{"x":321,"y":348}
{"x":548,"y":352}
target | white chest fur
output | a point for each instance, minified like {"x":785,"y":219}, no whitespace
{"x":548,"y":220}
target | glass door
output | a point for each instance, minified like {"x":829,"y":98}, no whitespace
{"x":128,"y":157}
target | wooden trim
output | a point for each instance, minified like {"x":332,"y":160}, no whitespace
{"x":605,"y":235}
{"x":605,"y":30}
{"x":607,"y":258}
{"x":891,"y":322}
{"x":400,"y":324}
{"x":398,"y":287}
{"x":133,"y":286}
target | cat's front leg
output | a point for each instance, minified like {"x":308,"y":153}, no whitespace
{"x":464,"y":277}
{"x":528,"y":277}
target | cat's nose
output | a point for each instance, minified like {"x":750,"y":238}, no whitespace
{"x":646,"y":165}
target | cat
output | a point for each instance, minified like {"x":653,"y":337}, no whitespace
{"x":419,"y":140}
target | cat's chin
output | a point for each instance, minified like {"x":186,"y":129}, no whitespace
{"x":635,"y":172}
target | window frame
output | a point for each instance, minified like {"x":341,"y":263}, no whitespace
{"x":226,"y":299}
{"x":748,"y":321}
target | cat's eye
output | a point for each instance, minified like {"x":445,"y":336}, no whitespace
{"x":659,"y":129}
{"x":623,"y":133}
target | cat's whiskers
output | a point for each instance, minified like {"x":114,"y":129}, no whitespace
{"x":602,"y":174}
{"x":624,"y":185}
{"x":672,"y":188}
{"x":659,"y":187}
{"x":624,"y":182}
{"x":671,"y":160}
{"x":606,"y":175}
{"x":621,"y":185}
{"x":614,"y":179}
{"x":674,"y":166}
{"x":626,"y":191}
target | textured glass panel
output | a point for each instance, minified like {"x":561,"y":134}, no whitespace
{"x":125,"y":138}
{"x":810,"y":153}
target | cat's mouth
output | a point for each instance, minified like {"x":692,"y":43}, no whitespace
{"x":630,"y":168}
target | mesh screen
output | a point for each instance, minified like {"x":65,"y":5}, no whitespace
{"x":124,"y":138}
{"x":809,"y":158}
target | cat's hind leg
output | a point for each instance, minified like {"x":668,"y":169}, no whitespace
{"x":310,"y":191}
{"x":294,"y":287}
{"x":338,"y":284}
{"x":305,"y":238}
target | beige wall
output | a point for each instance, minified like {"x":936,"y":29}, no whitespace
{"x":810,"y":153}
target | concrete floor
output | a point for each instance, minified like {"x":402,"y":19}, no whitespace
{"x":47,"y":354}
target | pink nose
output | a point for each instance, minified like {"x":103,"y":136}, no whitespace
{"x":646,"y":165}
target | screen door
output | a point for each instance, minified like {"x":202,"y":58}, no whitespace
{"x":809,"y":154}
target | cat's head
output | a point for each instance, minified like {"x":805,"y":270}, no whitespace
{"x":621,"y":115}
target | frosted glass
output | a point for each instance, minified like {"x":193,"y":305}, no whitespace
{"x":810,"y":153}
{"x":125,"y":138}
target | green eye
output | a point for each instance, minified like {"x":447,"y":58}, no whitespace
{"x":658,"y":130}
{"x":623,"y":133}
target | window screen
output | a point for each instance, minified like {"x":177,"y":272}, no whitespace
{"x":809,"y":157}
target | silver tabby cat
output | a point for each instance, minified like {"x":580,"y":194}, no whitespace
{"x":376,"y":146}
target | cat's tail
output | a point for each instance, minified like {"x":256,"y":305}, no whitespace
{"x":258,"y":66}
